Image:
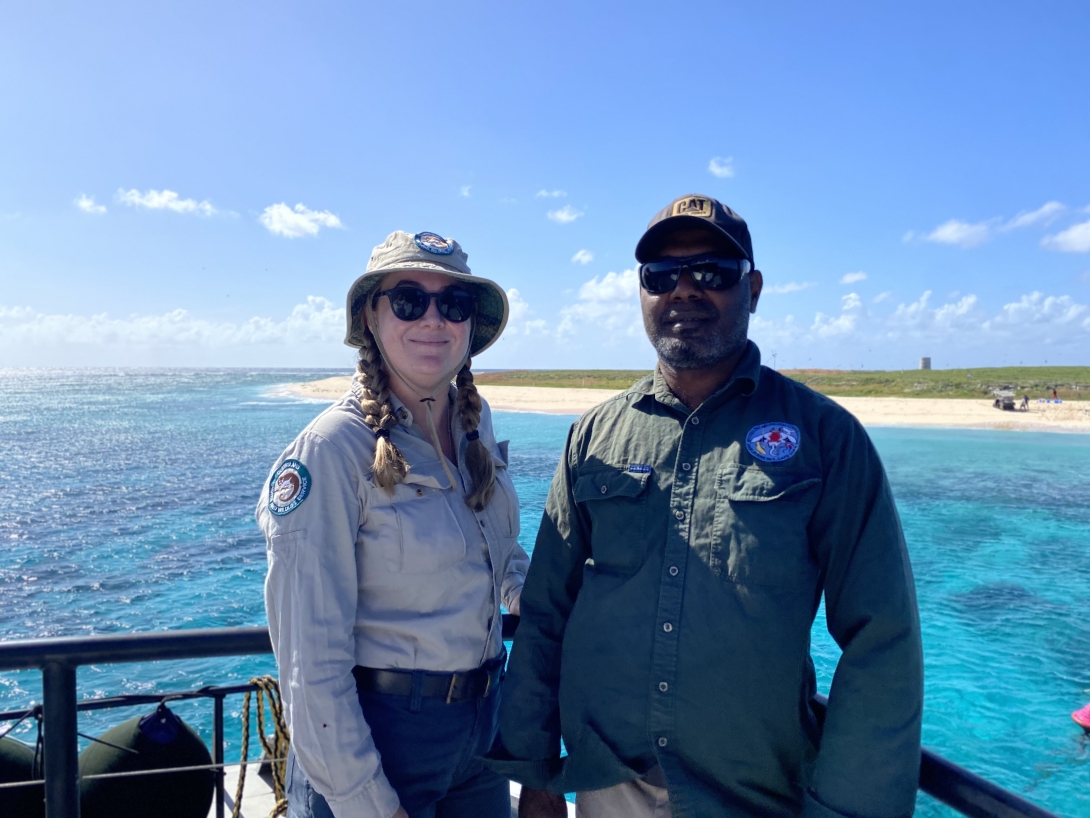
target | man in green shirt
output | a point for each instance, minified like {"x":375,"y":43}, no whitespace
{"x":692,"y":527}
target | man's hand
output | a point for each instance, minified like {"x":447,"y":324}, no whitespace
{"x":541,"y":804}
{"x":400,"y":813}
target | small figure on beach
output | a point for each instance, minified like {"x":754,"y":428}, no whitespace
{"x":1054,"y":395}
{"x":693,"y":524}
{"x":1024,"y":405}
{"x":392,"y":529}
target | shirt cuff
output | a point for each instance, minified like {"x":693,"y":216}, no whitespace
{"x":537,"y":775}
{"x":378,"y":798}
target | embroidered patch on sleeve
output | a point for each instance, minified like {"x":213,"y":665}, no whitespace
{"x":773,"y":442}
{"x":288,"y":488}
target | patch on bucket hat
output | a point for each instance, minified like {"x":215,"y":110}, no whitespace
{"x":773,"y":442}
{"x":434,"y":243}
{"x":288,"y":487}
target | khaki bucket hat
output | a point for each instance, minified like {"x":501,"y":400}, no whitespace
{"x":427,"y":251}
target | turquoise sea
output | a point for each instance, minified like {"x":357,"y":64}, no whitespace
{"x":128,"y":505}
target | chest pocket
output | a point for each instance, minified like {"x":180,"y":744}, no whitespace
{"x":617,"y":503}
{"x":761,"y":517}
{"x":414,"y":531}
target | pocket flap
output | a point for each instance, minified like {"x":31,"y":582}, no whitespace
{"x":603,"y":484}
{"x":749,"y":483}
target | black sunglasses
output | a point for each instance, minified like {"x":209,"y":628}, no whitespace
{"x":410,"y":303}
{"x":708,"y":273}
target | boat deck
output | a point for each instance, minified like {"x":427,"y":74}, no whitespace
{"x":258,"y":799}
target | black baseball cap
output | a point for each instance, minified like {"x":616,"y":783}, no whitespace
{"x":695,"y":210}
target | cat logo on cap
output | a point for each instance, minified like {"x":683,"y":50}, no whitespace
{"x":693,"y":206}
{"x":434,"y":244}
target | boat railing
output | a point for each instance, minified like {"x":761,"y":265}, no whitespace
{"x":58,"y":659}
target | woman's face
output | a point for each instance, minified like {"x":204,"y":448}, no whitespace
{"x":425,"y":351}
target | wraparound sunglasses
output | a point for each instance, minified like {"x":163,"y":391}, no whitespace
{"x":410,"y":303}
{"x":708,"y":273}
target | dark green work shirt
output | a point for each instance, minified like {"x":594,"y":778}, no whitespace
{"x":667,"y":611}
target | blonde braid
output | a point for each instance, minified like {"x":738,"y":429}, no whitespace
{"x":378,"y":413}
{"x":478,"y":458}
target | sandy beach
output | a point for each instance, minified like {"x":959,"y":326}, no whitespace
{"x":925,"y":412}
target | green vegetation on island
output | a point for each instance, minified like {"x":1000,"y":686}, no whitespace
{"x":1070,"y":382}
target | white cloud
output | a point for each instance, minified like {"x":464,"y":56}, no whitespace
{"x":464,"y":190}
{"x":1037,"y":308}
{"x":300,"y":221}
{"x":962,"y":234}
{"x":825,"y":326}
{"x":583,"y":257}
{"x":909,"y":236}
{"x":550,"y":194}
{"x":318,"y":320}
{"x":87,"y":204}
{"x":610,"y":303}
{"x":789,"y":287}
{"x":1045,"y":214}
{"x":521,"y":320}
{"x":1075,"y":239}
{"x":971,"y":234}
{"x":852,"y":278}
{"x":878,"y":299}
{"x":164,"y":200}
{"x":564,"y":215}
{"x":721,"y":168}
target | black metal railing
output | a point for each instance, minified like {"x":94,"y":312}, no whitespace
{"x":58,"y":660}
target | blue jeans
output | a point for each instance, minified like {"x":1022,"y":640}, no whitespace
{"x":431,"y":756}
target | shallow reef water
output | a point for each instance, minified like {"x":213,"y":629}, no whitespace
{"x":129,"y":506}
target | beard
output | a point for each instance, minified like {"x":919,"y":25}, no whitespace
{"x":718,"y":338}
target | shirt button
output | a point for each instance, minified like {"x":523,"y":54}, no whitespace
{"x":663,"y":686}
{"x":673,"y":570}
{"x":679,"y":514}
{"x":662,"y":741}
{"x":667,"y":627}
{"x":696,"y":421}
{"x":605,"y":489}
{"x":685,"y":466}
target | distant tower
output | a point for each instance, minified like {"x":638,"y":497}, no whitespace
{"x":925,"y":363}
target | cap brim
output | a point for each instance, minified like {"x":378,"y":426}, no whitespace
{"x":488,"y":322}
{"x":653,"y":238}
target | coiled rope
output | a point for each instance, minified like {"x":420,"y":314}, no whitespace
{"x":276,"y":750}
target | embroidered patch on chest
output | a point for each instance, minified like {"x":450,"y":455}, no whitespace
{"x":639,"y":468}
{"x":773,"y":442}
{"x":434,"y":243}
{"x":288,"y":488}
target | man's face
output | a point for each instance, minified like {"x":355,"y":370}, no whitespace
{"x":692,"y":328}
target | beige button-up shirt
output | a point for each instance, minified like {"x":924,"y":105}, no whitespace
{"x":357,"y":576}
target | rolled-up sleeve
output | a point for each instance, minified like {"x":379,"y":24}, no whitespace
{"x":310,"y":597}
{"x":869,"y":759}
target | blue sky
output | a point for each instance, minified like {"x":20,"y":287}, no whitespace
{"x":197,"y":184}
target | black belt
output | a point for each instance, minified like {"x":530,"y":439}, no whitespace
{"x":453,"y":687}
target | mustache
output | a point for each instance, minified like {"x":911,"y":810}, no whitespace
{"x":696,"y":310}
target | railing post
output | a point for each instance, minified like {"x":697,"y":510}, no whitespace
{"x":217,"y":752}
{"x":61,"y":748}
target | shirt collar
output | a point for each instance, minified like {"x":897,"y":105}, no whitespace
{"x":744,"y":381}
{"x":405,"y":417}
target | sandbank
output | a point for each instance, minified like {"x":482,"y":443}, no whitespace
{"x":923,"y":412}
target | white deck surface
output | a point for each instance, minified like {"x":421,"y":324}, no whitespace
{"x":258,"y":800}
